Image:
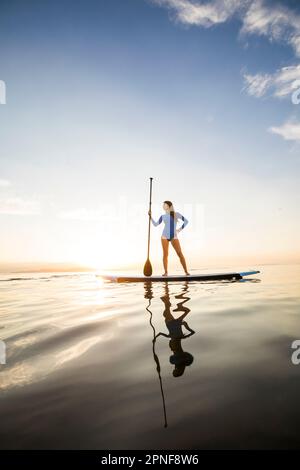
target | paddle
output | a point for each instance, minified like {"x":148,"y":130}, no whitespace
{"x":148,"y":266}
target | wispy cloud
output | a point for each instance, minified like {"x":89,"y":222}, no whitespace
{"x":18,"y":206}
{"x":4,"y":183}
{"x":282,"y":83}
{"x":261,"y":17}
{"x":203,"y":13}
{"x":275,"y":21}
{"x":289,"y":131}
{"x":258,"y":84}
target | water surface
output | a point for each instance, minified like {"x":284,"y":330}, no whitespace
{"x":94,"y":364}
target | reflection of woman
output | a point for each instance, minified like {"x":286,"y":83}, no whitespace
{"x":180,"y":358}
{"x":170,"y":219}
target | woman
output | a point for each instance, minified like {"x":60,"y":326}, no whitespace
{"x":169,"y":234}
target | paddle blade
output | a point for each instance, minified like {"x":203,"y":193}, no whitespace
{"x":148,"y":268}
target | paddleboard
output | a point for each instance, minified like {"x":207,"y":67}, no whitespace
{"x":193,"y":277}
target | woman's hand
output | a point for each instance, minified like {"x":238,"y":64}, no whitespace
{"x":149,"y":213}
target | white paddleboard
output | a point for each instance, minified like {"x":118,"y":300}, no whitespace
{"x":232,"y":276}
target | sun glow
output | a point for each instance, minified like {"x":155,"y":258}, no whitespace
{"x":105,"y":252}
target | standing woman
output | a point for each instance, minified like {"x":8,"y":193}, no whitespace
{"x":169,"y":234}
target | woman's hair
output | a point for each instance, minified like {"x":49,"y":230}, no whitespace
{"x":172,"y":212}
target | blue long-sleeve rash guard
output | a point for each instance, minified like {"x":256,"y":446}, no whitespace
{"x":169,"y":231}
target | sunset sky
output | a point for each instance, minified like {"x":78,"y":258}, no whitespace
{"x":101,"y":95}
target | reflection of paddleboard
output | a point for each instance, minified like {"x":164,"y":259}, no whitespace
{"x":192,"y":277}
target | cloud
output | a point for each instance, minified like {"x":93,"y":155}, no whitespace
{"x":4,"y":183}
{"x":258,"y":84}
{"x":289,"y":131}
{"x":273,"y":20}
{"x":203,"y":14}
{"x":282,"y":83}
{"x":18,"y":206}
{"x":261,"y":17}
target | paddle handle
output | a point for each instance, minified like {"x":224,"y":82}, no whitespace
{"x":149,"y":223}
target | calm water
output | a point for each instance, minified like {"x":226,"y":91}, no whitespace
{"x":102,"y":365}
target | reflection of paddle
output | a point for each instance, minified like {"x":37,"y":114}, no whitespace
{"x":149,"y":296}
{"x":148,"y":266}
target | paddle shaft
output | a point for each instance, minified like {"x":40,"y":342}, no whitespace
{"x":149,"y":223}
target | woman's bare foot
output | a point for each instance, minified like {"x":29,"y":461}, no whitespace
{"x":165,"y":274}
{"x":187,"y":274}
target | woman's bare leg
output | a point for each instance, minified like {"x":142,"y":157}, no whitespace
{"x":165,"y":246}
{"x":177,"y":248}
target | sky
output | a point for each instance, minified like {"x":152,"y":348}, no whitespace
{"x":97,"y":96}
